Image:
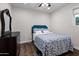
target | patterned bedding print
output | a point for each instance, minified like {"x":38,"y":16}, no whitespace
{"x":53,"y":44}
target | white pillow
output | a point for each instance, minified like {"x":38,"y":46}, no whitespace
{"x":38,"y":32}
{"x":46,"y":31}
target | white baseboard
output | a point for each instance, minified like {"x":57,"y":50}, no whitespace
{"x":24,"y":42}
{"x":76,"y":48}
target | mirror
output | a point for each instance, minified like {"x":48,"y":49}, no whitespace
{"x":5,"y":22}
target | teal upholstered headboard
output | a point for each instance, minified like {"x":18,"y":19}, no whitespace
{"x":39,"y":27}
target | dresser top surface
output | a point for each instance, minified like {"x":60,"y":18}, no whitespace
{"x":13,"y":34}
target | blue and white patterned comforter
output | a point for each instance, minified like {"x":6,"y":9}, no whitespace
{"x":53,"y":44}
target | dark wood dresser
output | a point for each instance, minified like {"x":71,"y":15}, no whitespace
{"x":8,"y":45}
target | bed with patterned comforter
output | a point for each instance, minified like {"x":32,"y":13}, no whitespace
{"x":53,"y":44}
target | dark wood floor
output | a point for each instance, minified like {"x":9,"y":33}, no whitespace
{"x":28,"y":49}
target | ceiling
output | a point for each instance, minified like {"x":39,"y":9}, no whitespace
{"x":34,"y":6}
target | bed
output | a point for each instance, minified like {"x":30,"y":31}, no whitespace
{"x":50,"y":43}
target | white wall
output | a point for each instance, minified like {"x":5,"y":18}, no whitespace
{"x":2,"y":7}
{"x":23,"y":19}
{"x":62,"y":22}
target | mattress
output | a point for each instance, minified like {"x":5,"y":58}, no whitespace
{"x":52,"y":44}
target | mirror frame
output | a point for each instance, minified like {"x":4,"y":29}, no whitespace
{"x":3,"y":33}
